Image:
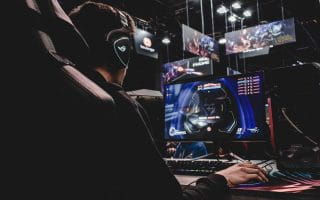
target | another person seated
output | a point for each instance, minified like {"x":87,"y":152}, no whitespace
{"x":136,"y":170}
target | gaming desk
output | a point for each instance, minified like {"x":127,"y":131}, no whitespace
{"x":282,"y":185}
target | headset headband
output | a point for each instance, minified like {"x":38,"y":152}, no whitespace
{"x":123,"y":29}
{"x":124,"y":20}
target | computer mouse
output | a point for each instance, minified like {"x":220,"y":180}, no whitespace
{"x":254,"y":183}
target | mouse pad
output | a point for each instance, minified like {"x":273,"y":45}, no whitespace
{"x":287,"y":182}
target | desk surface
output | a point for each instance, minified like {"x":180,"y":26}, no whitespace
{"x":282,"y":185}
{"x":263,"y":193}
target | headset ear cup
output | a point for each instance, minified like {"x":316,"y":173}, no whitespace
{"x":117,"y":49}
{"x":110,"y":57}
{"x":113,"y":57}
{"x":122,"y":49}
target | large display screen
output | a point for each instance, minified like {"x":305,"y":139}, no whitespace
{"x":262,"y":36}
{"x":199,"y":44}
{"x":227,"y":108}
{"x":187,"y":69}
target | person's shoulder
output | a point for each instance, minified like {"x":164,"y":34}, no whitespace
{"x":120,"y":96}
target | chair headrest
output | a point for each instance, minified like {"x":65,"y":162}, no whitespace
{"x":67,"y":40}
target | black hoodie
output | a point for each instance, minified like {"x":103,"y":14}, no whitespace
{"x":137,"y":170}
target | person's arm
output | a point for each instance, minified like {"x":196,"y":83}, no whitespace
{"x":148,"y":177}
{"x":215,"y":186}
{"x":212,"y":187}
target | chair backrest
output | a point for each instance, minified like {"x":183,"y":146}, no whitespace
{"x":67,"y":39}
{"x":60,"y":119}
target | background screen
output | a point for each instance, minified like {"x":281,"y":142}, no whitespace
{"x":187,"y":69}
{"x":199,"y":44}
{"x":261,"y":36}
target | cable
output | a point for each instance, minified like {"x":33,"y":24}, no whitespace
{"x":283,"y":110}
{"x":270,"y":156}
{"x":187,"y":11}
{"x":258,"y":11}
{"x":244,"y":55}
{"x":268,"y":164}
{"x":212,"y":18}
{"x":262,"y":162}
{"x":203,"y":156}
{"x":282,"y":9}
{"x":202,"y":16}
{"x":168,"y":56}
{"x":235,"y":156}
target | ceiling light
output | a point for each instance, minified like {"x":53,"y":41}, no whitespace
{"x":247,"y":13}
{"x":232,"y":18}
{"x":236,"y":5}
{"x":166,"y":40}
{"x":222,"y":41}
{"x":222,"y":9}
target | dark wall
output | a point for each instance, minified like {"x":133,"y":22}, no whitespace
{"x":297,"y":89}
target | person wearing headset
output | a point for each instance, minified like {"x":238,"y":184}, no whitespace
{"x":136,"y":169}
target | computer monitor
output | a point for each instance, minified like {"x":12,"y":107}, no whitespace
{"x":187,"y":69}
{"x":226,"y":108}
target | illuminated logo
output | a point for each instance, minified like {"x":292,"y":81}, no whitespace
{"x":147,"y":42}
{"x":174,"y":132}
{"x":122,"y":48}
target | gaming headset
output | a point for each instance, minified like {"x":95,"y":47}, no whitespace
{"x":118,"y":45}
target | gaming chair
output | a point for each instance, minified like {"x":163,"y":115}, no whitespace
{"x":59,"y":120}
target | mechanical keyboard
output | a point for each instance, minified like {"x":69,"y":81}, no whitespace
{"x":202,"y":167}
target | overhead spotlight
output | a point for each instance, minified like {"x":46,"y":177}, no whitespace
{"x":222,"y":41}
{"x":247,"y":13}
{"x":232,"y":18}
{"x":166,"y":40}
{"x":236,"y":5}
{"x":222,"y":9}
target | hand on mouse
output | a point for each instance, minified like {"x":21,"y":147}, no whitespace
{"x":242,"y":173}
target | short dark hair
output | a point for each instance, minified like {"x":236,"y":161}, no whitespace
{"x":94,"y":21}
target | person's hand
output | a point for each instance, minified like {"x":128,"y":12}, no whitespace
{"x":242,"y":173}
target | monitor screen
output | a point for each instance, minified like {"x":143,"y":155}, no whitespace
{"x":260,"y":37}
{"x":199,"y":44}
{"x":226,"y":108}
{"x":187,"y":69}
